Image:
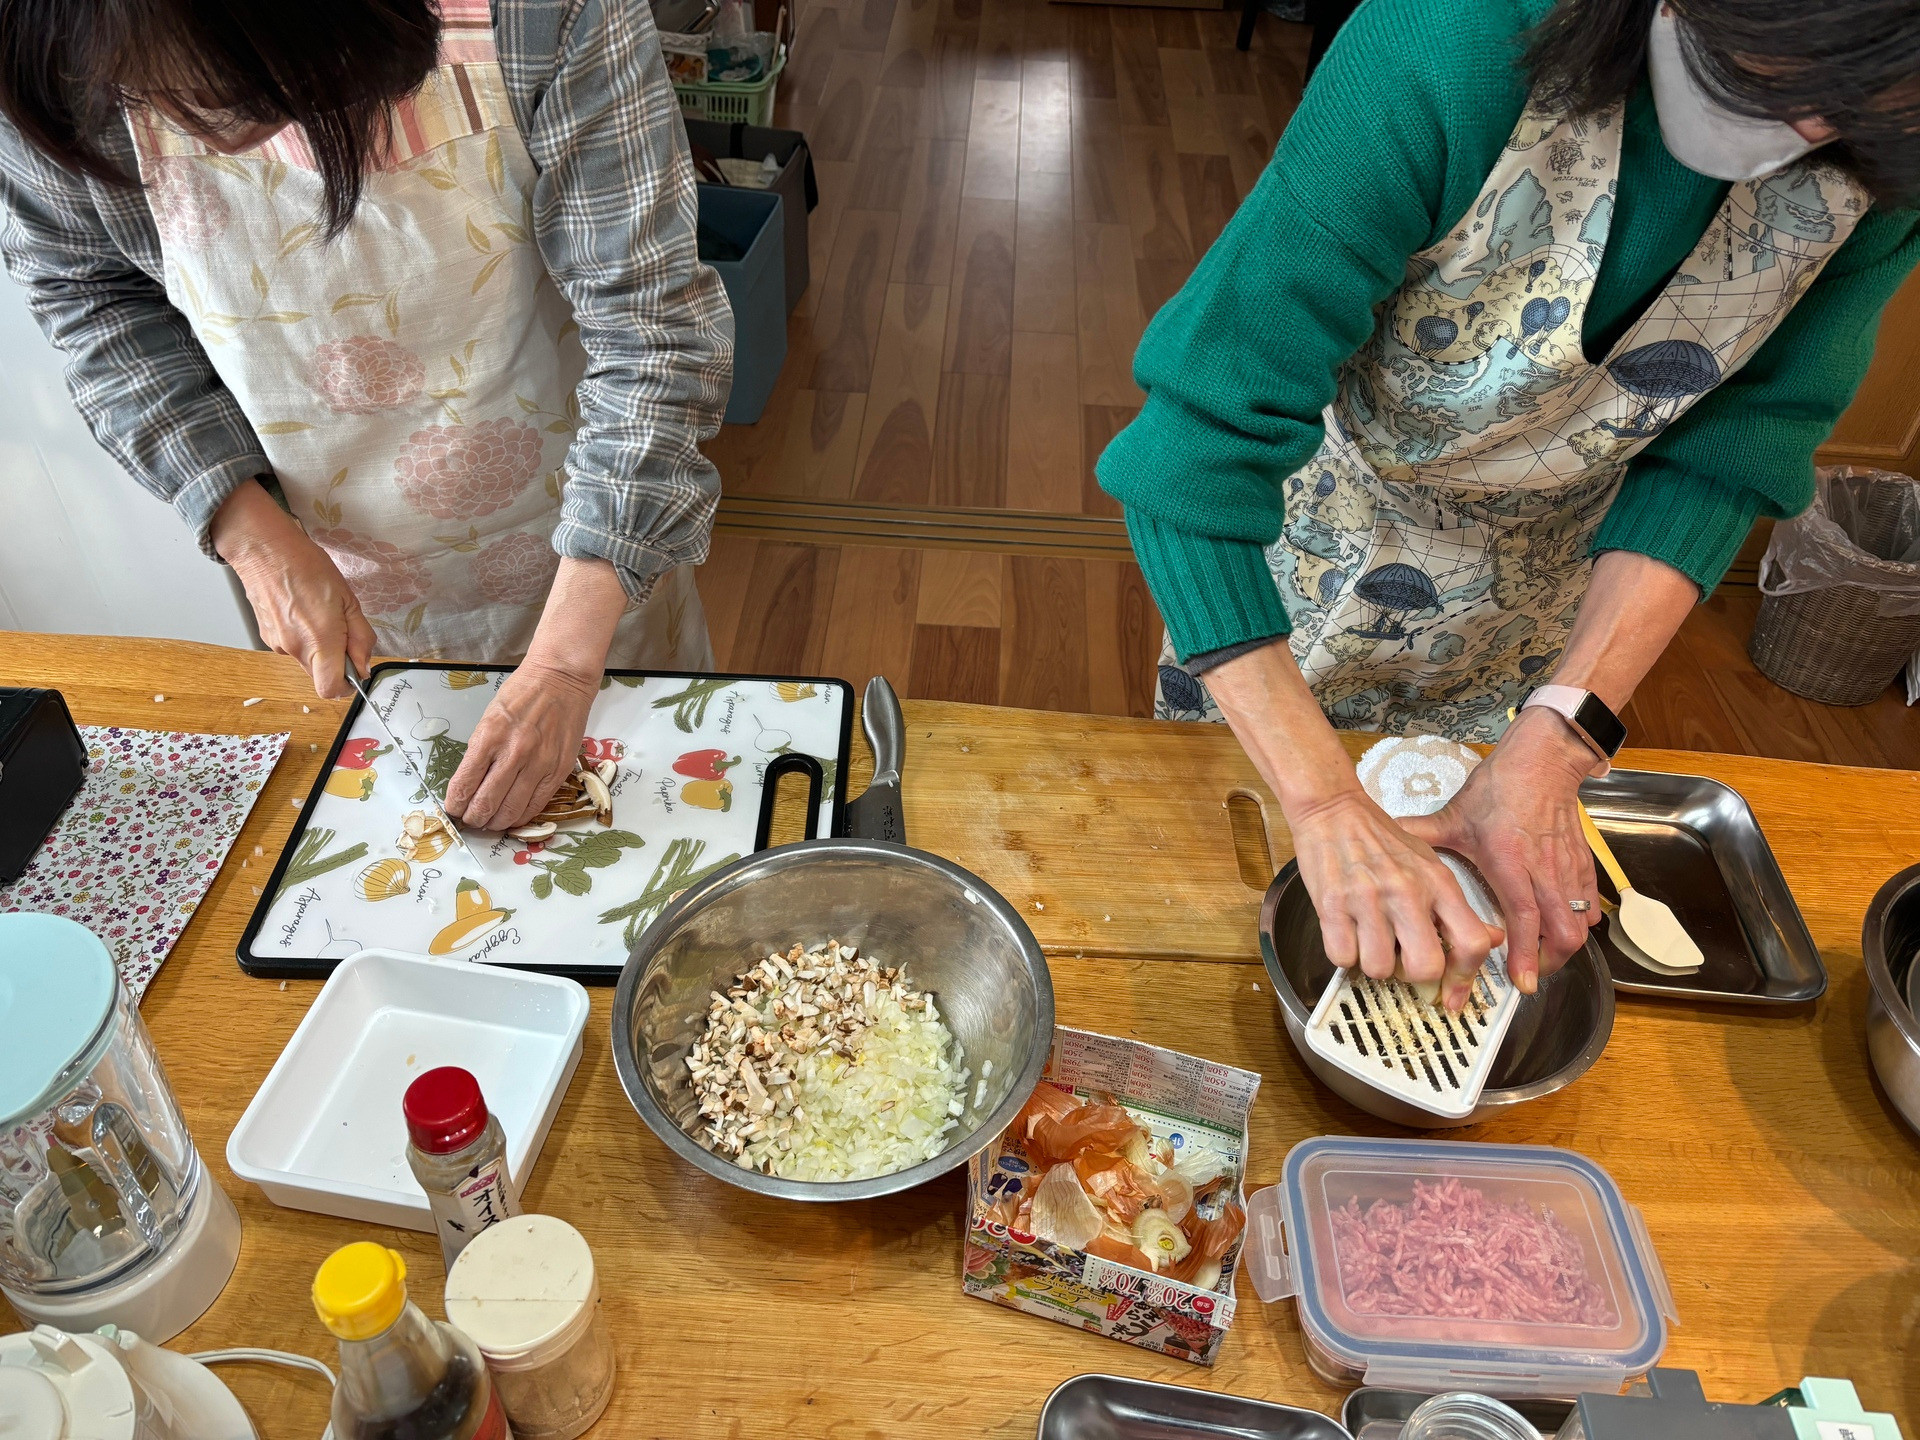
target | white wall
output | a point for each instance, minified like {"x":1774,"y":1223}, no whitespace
{"x":83,"y":549}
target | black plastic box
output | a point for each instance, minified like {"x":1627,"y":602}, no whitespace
{"x":42,"y":764}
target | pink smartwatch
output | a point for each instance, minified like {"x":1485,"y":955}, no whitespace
{"x":1591,"y":717}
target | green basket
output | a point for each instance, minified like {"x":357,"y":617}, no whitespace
{"x":749,"y":104}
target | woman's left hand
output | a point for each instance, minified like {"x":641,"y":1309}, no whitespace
{"x":1518,"y":819}
{"x":526,"y":743}
{"x":523,"y":747}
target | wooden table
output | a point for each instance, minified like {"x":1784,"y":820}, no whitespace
{"x":1781,"y":1189}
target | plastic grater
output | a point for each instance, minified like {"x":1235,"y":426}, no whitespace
{"x":1382,"y":1031}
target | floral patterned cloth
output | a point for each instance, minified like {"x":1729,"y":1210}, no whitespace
{"x":135,"y":852}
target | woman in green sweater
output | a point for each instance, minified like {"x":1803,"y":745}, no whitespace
{"x":1373,"y":430}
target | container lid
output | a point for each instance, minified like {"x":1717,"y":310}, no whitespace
{"x":1424,"y":1263}
{"x":445,"y":1110}
{"x":523,"y":1289}
{"x":360,"y":1290}
{"x":57,"y":983}
{"x":56,"y":1386}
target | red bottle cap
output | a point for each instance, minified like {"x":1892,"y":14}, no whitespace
{"x":445,"y":1111}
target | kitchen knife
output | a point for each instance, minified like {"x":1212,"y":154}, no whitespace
{"x":366,"y":699}
{"x":876,"y":815}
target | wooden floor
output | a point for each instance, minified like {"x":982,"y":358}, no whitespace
{"x":1008,"y":190}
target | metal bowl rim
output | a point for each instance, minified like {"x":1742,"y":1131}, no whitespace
{"x":1873,"y":951}
{"x":627,"y":1065}
{"x":1583,"y":1060}
{"x":1278,"y":1407}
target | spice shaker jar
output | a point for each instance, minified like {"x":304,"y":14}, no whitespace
{"x":526,"y":1291}
{"x":458,"y":1153}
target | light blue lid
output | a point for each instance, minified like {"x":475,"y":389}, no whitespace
{"x":56,"y":989}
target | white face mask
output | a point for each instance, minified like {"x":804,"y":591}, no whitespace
{"x":1703,"y":135}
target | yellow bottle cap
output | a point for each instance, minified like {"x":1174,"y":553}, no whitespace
{"x":360,"y":1290}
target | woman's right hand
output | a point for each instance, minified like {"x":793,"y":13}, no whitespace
{"x":1384,"y":898}
{"x":300,"y":600}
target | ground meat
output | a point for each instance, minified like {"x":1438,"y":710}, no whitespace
{"x":1450,"y":1251}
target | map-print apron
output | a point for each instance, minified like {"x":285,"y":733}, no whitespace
{"x":1435,"y":549}
{"x":412,"y":380}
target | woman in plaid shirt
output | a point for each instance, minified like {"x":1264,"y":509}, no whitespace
{"x":398,"y":305}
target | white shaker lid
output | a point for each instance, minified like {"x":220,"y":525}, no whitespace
{"x":56,"y":1386}
{"x":523,"y":1290}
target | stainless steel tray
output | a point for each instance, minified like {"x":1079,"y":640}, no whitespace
{"x":1693,"y":842}
{"x":1111,"y":1407}
{"x":1373,"y":1413}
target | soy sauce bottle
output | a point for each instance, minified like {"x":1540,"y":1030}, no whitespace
{"x":402,"y":1376}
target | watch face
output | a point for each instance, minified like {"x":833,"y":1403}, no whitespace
{"x":1598,"y":720}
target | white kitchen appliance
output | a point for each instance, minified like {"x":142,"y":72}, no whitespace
{"x":107,"y":1215}
{"x":110,"y":1386}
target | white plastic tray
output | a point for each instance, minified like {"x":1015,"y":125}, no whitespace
{"x":325,"y":1132}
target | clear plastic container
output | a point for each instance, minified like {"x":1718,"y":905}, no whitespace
{"x":1592,"y":1318}
{"x":1466,"y":1415}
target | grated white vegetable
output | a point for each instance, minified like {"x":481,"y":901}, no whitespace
{"x":888,"y":1108}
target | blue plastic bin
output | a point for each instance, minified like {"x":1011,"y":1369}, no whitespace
{"x":756,"y":288}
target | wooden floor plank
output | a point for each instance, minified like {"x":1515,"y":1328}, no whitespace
{"x":1043,"y":295}
{"x":1098,"y":425}
{"x":1043,"y":423}
{"x":980,"y":307}
{"x":884,"y":164}
{"x":783,"y":618}
{"x":823,"y":435}
{"x":1108,"y":299}
{"x":970,"y":441}
{"x":1043,"y":664}
{"x":870,"y":626}
{"x":953,"y":662}
{"x":1189,"y":96}
{"x":1207,"y":185}
{"x":929,"y":213}
{"x":1156,"y":210}
{"x":1000,"y":27}
{"x":723,"y":583}
{"x":1139,"y":86}
{"x":847,"y":324}
{"x":1123,"y":640}
{"x":959,"y":588}
{"x":993,"y":140}
{"x":842,"y":117}
{"x":865,"y":25}
{"x":1249,"y":135}
{"x":1091,"y":66}
{"x":1099,"y":163}
{"x":894,"y":462}
{"x":1046,"y":117}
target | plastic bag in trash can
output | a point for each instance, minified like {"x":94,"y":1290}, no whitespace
{"x":1822,"y":548}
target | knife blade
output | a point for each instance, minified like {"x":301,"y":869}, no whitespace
{"x":877,"y":814}
{"x":453,"y":828}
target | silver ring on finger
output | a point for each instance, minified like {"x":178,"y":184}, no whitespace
{"x":1580,"y":907}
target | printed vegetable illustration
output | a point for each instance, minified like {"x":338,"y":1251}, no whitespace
{"x":474,"y":914}
{"x":351,"y":784}
{"x":780,"y":742}
{"x":463,"y":679}
{"x":308,"y":862}
{"x":690,"y":705}
{"x":443,"y":758}
{"x":360,"y":754}
{"x":708,"y":794}
{"x":792,"y":690}
{"x":383,"y":880}
{"x":632,"y":682}
{"x":705,"y":764}
{"x":678,"y":868}
{"x":598,"y":750}
{"x":572,"y":856}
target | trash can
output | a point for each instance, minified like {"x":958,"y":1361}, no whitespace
{"x":799,"y":192}
{"x":748,"y":222}
{"x":1840,"y":613}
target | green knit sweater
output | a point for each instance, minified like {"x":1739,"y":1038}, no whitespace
{"x":1391,"y":144}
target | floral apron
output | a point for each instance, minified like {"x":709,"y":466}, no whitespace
{"x":1435,"y":549}
{"x":413,"y":380}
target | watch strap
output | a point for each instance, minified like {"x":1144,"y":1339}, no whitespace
{"x":1591,"y":717}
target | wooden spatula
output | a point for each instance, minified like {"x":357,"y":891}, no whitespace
{"x":1649,"y":923}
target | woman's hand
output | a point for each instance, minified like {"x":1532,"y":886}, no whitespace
{"x":1384,"y":898}
{"x":1518,"y":819}
{"x":523,"y":747}
{"x":300,"y":600}
{"x":526,"y":743}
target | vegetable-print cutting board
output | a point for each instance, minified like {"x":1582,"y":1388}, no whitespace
{"x":693,"y":753}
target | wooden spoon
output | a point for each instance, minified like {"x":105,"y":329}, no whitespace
{"x":1649,"y":923}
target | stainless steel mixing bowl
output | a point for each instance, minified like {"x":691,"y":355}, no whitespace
{"x":955,"y":936}
{"x":1890,"y":942}
{"x":1556,"y":1035}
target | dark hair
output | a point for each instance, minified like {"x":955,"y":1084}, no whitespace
{"x":1854,"y":64}
{"x":332,"y":67}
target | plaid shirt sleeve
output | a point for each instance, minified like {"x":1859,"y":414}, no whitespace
{"x":134,"y":368}
{"x":615,"y":215}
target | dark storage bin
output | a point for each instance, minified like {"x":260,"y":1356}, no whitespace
{"x":751,"y":221}
{"x":42,"y":766}
{"x":796,"y":187}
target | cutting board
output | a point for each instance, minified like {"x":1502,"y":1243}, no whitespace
{"x":697,"y":757}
